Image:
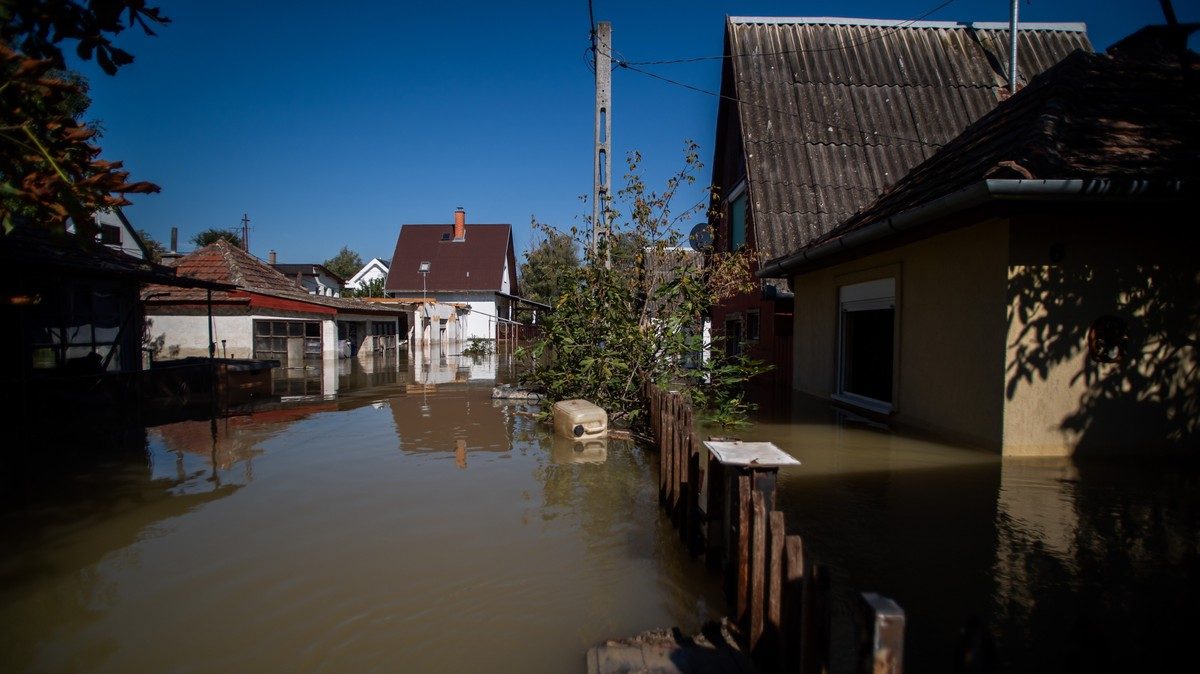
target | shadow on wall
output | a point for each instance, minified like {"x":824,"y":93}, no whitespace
{"x":1127,"y":335}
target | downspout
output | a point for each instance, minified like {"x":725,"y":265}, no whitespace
{"x":1012,"y":47}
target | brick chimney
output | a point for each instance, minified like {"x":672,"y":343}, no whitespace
{"x":460,"y":224}
{"x":271,"y":257}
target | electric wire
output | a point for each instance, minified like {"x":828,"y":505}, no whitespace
{"x":815,"y":50}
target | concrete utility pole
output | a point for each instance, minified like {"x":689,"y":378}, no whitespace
{"x":602,"y":158}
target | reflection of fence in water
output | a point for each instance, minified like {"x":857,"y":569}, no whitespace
{"x":780,"y":597}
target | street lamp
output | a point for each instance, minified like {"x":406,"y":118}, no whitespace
{"x":423,"y":270}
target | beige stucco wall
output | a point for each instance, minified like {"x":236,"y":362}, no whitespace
{"x":183,"y":336}
{"x":950,"y":294}
{"x":1058,"y":400}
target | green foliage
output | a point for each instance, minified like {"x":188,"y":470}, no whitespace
{"x":634,"y":311}
{"x":372,"y":288}
{"x":214,"y":235}
{"x":479,"y":346}
{"x":548,"y":265}
{"x":50,"y":167}
{"x":153,"y":248}
{"x":345,"y":264}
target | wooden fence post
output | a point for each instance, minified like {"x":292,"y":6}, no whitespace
{"x":715,"y":537}
{"x":741,"y":563}
{"x":758,"y":572}
{"x":773,"y":627}
{"x":880,"y":635}
{"x":814,"y":644}
{"x":695,"y":531}
{"x":792,"y":626}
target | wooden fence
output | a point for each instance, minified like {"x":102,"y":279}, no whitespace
{"x":779,"y":597}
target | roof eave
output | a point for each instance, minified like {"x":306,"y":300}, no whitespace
{"x":974,"y":195}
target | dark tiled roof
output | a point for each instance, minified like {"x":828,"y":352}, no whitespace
{"x":227,"y":263}
{"x":833,"y":111}
{"x":476,"y":263}
{"x":1092,"y":116}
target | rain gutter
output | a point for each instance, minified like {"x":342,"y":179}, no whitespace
{"x":970,"y":197}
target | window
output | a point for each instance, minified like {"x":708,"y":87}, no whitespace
{"x":383,"y":328}
{"x":78,"y":327}
{"x":752,"y":325}
{"x":733,"y":337}
{"x":274,"y":340}
{"x":110,"y":235}
{"x":866,"y":344}
{"x":737,"y":222}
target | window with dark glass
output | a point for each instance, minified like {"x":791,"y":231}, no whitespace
{"x":752,"y":326}
{"x":866,"y":343}
{"x":737,"y":222}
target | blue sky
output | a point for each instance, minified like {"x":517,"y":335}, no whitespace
{"x":332,"y":124}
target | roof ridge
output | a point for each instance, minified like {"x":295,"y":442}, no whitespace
{"x":1065,"y":26}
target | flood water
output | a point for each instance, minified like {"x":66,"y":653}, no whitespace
{"x":402,"y":522}
{"x":1088,"y":566}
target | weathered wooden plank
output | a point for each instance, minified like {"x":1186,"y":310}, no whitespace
{"x":880,"y":635}
{"x":772,"y":629}
{"x":742,"y":560}
{"x":792,"y":626}
{"x":715,"y":538}
{"x":758,"y":572}
{"x":695,"y":529}
{"x":815,"y":640}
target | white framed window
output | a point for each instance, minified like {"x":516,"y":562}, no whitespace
{"x":752,"y":325}
{"x":866,"y":367}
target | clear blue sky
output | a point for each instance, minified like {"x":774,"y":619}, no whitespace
{"x":333,"y":123}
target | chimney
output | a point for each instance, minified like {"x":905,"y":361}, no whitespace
{"x":271,"y":257}
{"x":174,"y":239}
{"x":460,"y":224}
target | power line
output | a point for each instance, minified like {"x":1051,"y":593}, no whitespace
{"x":734,"y":99}
{"x":841,"y":47}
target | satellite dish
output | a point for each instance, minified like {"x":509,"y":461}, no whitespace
{"x":701,"y":237}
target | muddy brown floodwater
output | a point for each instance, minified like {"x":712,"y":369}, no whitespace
{"x":404,"y":522}
{"x":1069,"y":566}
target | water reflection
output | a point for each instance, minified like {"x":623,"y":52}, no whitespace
{"x":405,"y":523}
{"x":1067,"y":564}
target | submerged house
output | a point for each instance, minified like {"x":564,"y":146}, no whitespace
{"x":1032,"y":287}
{"x":266,"y":316}
{"x":74,"y":322}
{"x":474,"y":267}
{"x":820,"y":115}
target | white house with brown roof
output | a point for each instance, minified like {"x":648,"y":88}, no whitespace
{"x":473,"y":266}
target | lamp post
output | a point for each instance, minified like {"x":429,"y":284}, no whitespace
{"x":424,"y":271}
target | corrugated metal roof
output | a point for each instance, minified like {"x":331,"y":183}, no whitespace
{"x":833,"y":111}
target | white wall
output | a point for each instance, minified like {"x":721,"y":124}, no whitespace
{"x":184,"y":336}
{"x":480,"y":322}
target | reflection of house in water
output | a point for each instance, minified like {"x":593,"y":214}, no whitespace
{"x":229,"y":441}
{"x":455,"y":420}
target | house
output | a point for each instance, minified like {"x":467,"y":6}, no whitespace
{"x":473,"y":266}
{"x":819,"y":115}
{"x":266,"y":316}
{"x":315,"y":278}
{"x":1032,"y":286}
{"x":74,"y":321}
{"x":114,"y":231}
{"x":375,"y":270}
